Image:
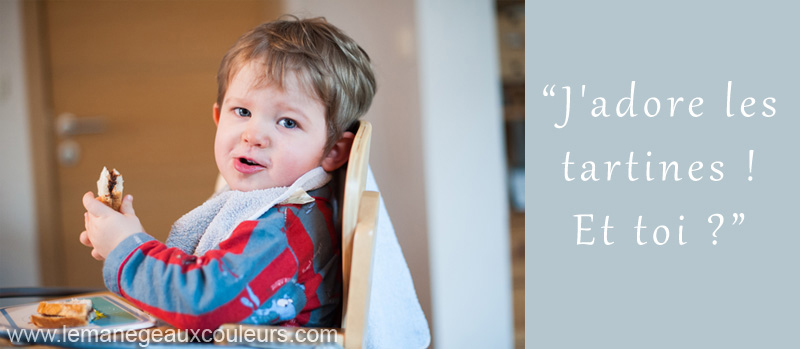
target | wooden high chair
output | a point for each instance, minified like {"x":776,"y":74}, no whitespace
{"x":359,"y":221}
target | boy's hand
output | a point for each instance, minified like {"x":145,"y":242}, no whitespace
{"x":106,"y":228}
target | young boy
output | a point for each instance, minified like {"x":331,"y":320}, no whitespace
{"x":266,"y":251}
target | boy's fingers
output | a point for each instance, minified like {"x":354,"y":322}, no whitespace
{"x":85,"y":239}
{"x":96,"y":255}
{"x":127,"y":206}
{"x":89,"y":201}
{"x":95,"y":208}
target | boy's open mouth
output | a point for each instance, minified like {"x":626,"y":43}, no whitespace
{"x":249,"y":162}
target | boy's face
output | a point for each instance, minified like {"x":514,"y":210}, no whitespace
{"x":267,"y":137}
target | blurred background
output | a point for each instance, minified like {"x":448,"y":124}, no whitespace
{"x":130,"y":85}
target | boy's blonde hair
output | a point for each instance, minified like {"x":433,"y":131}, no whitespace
{"x":328,"y":64}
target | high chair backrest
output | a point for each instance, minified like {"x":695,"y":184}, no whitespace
{"x":354,"y":184}
{"x":359,"y":220}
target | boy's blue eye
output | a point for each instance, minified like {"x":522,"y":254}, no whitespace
{"x":241,"y":112}
{"x":288,"y":123}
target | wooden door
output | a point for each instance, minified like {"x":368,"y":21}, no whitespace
{"x":147,"y":71}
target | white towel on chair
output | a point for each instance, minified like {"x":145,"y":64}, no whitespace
{"x":395,"y":318}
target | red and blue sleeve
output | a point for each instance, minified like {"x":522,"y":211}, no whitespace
{"x":251,"y":277}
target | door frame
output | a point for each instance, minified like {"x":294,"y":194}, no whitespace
{"x":51,"y":266}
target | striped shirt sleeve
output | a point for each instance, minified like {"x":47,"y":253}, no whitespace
{"x":275,"y":270}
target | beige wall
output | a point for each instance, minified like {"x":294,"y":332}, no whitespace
{"x":465,"y":181}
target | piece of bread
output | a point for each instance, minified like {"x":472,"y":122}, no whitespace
{"x":46,"y":321}
{"x":63,"y":313}
{"x":73,"y":307}
{"x":109,"y":188}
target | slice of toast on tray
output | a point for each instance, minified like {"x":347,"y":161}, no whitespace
{"x":63,"y":313}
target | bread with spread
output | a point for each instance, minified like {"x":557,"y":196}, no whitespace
{"x":63,"y":313}
{"x":109,"y":188}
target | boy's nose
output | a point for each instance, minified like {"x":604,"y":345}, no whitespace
{"x":255,"y":134}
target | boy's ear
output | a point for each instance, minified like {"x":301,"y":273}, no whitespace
{"x":215,"y":111}
{"x":339,"y":154}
